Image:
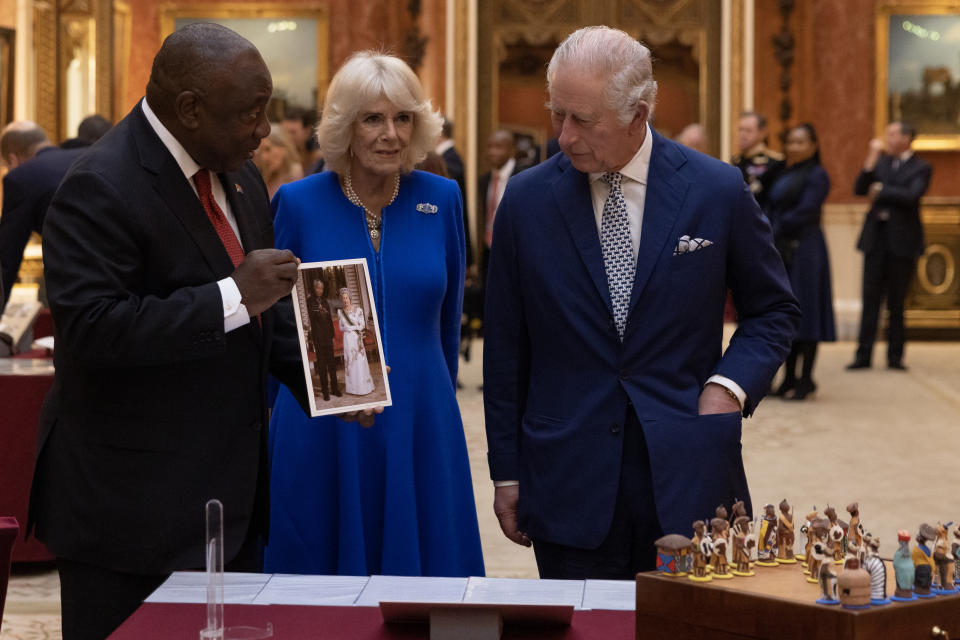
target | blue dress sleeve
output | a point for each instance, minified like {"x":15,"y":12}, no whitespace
{"x":452,"y":308}
{"x":285,"y":228}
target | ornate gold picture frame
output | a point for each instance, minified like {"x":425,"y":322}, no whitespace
{"x":918,"y":70}
{"x":284,"y":32}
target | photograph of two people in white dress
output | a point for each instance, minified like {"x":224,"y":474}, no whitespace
{"x":339,"y":337}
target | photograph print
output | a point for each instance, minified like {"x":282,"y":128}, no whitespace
{"x":340,"y":343}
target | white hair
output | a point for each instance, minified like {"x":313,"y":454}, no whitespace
{"x":623,"y":60}
{"x":362,"y":79}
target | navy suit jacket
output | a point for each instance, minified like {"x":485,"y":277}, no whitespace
{"x":27,"y":191}
{"x":900,"y":197}
{"x":557,"y":379}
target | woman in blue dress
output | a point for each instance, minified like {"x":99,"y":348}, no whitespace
{"x":794,"y":207}
{"x":395,"y":498}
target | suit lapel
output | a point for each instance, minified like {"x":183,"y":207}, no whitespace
{"x":571,"y":192}
{"x":666,"y":191}
{"x":251,"y":235}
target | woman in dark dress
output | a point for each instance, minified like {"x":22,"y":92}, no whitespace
{"x":794,"y":208}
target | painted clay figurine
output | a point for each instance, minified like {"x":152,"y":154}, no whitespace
{"x":877,"y":570}
{"x":943,"y":558}
{"x":836,"y":534}
{"x":737,"y":511}
{"x":718,"y":559}
{"x":673,"y":554}
{"x":819,"y":530}
{"x":805,"y":530}
{"x":744,"y":540}
{"x":785,"y":537}
{"x":822,"y":555}
{"x":767,"y":539}
{"x":702,"y":547}
{"x":903,"y":569}
{"x":855,"y":528}
{"x":923,"y":563}
{"x":854,"y":585}
{"x":955,"y":550}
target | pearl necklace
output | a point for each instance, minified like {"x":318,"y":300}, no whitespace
{"x":374,"y":220}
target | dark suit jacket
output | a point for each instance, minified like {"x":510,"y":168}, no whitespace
{"x":483,"y":185}
{"x":900,"y":196}
{"x":321,"y":325}
{"x":456,"y":172}
{"x":154,"y":409}
{"x":27,"y":191}
{"x":557,"y":379}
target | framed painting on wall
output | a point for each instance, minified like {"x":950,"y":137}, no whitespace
{"x":6,"y":75}
{"x":285,"y":34}
{"x":918,"y":70}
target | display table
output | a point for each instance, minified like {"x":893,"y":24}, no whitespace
{"x":23,"y":385}
{"x":779,"y":604}
{"x":335,"y":607}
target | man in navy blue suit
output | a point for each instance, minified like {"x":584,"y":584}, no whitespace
{"x":613,"y":415}
{"x":36,"y":169}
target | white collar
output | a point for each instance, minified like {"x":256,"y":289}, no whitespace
{"x":443,"y":146}
{"x":186,"y":163}
{"x":639,"y":166}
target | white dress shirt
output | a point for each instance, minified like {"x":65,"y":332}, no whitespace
{"x":234,"y":311}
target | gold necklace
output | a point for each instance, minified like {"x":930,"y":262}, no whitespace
{"x":374,"y":220}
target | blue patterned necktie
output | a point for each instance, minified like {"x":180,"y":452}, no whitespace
{"x":617,"y":249}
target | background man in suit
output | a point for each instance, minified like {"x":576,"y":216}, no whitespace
{"x":36,"y":169}
{"x":164,"y":291}
{"x":607,"y":397}
{"x":91,"y":129}
{"x":321,"y":334}
{"x":892,"y":236}
{"x":500,"y":150}
{"x":455,"y":170}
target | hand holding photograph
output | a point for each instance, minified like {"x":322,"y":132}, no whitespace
{"x":343,"y":358}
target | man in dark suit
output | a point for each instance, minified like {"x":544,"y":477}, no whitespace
{"x":612,"y":415}
{"x":503,"y":166}
{"x":456,"y":171}
{"x":37,"y":169}
{"x":892,"y":237}
{"x":169,"y":307}
{"x":321,"y":335}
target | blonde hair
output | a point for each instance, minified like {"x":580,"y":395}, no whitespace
{"x":362,"y":79}
{"x":279,"y":138}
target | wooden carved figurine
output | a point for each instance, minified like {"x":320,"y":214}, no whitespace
{"x":923,"y":563}
{"x":718,"y":558}
{"x":823,"y":556}
{"x":943,"y":558}
{"x":903,"y":569}
{"x":785,"y":537}
{"x":767,"y":539}
{"x":702,"y":548}
{"x":819,"y":530}
{"x":744,"y":540}
{"x":877,"y":570}
{"x":836,"y":534}
{"x":805,"y":530}
{"x":854,"y":528}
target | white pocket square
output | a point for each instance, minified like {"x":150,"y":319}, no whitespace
{"x":686,"y":244}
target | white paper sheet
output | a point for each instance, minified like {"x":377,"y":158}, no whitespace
{"x":613,"y":595}
{"x":191,"y":587}
{"x":331,"y":591}
{"x":402,"y":589}
{"x":517,"y":591}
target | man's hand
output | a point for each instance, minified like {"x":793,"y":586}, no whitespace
{"x":716,"y":399}
{"x":505,"y":501}
{"x":875,"y":190}
{"x":265,"y":276}
{"x":873,"y":154}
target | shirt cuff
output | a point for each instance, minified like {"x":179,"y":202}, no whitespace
{"x":734,"y":388}
{"x":234,"y":312}
{"x":505,"y":483}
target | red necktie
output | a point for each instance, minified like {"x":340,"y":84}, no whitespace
{"x":492,"y":202}
{"x":217,"y":218}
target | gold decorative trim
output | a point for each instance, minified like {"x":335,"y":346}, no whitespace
{"x":46,"y":38}
{"x":949,"y":275}
{"x":737,"y":42}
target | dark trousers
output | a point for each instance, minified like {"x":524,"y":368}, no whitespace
{"x":885,"y":275}
{"x":628,"y":548}
{"x":326,"y":367}
{"x":94,"y":601}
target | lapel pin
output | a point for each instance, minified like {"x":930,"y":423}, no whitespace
{"x":239,"y":188}
{"x":426,"y":207}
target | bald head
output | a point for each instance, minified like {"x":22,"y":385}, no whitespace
{"x":210,"y":87}
{"x":20,"y":141}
